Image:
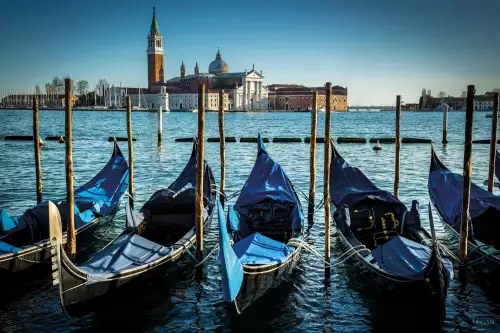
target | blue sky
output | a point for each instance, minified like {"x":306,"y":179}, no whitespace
{"x":378,"y":49}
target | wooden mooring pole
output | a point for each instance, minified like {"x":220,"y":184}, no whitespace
{"x":70,"y":199}
{"x":160,"y":123}
{"x":493,"y":144}
{"x":326,"y":177}
{"x":131,"y":190}
{"x":199,"y":172}
{"x":398,"y":145}
{"x":222,"y":147}
{"x":312,"y":156}
{"x":445,"y":122}
{"x":469,"y":119}
{"x":36,"y":142}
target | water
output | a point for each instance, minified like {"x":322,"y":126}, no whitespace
{"x":185,"y":304}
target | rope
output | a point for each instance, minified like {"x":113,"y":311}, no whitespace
{"x":229,"y":197}
{"x":199,"y":263}
{"x":354,"y":250}
{"x":303,"y":194}
{"x":468,"y":263}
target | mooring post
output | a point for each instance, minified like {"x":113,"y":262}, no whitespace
{"x":312,"y":156}
{"x":445,"y":122}
{"x":36,"y":142}
{"x":131,"y":190}
{"x":199,"y":172}
{"x":326,"y":177}
{"x":222,"y":147}
{"x":493,"y":144}
{"x":160,"y":122}
{"x":70,"y":199}
{"x":469,"y":118}
{"x":398,"y":145}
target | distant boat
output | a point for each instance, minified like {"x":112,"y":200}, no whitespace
{"x":388,"y":110}
{"x":139,"y":107}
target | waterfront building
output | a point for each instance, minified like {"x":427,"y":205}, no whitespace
{"x":481,"y":102}
{"x":297,"y":97}
{"x":243,"y":91}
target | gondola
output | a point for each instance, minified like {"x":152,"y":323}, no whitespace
{"x":260,"y":243}
{"x":387,"y":240}
{"x":24,"y":240}
{"x":445,"y":190}
{"x":153,"y":241}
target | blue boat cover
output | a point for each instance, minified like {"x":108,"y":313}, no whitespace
{"x":232,"y":269}
{"x":349,"y":186}
{"x":107,"y":187}
{"x":131,"y":252}
{"x":7,"y":248}
{"x":268,"y":180}
{"x":258,"y":249}
{"x":98,"y":197}
{"x":6,"y":222}
{"x":446,"y":188}
{"x":406,"y":258}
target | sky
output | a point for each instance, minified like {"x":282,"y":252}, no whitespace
{"x":377,"y":49}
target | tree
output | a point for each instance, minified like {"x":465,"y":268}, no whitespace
{"x":496,"y":90}
{"x":463,"y":94}
{"x":442,"y":94}
{"x":429,"y":93}
{"x":82,"y":87}
{"x":58,"y":85}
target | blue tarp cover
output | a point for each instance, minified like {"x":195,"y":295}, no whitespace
{"x":6,"y":222}
{"x":132,"y":252}
{"x":258,"y":249}
{"x":348,"y":185}
{"x":98,"y":197}
{"x":7,"y":248}
{"x":446,"y":189}
{"x":268,"y":180}
{"x":406,"y":258}
{"x":232,"y":269}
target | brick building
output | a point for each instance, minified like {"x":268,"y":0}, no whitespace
{"x":297,"y":97}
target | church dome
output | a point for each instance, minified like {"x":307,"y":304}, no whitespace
{"x":218,"y":66}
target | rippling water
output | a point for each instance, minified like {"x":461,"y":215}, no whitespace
{"x":184,"y":303}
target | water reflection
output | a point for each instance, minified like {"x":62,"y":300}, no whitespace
{"x":182,"y":303}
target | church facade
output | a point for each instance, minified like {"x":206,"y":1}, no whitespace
{"x":242,"y":90}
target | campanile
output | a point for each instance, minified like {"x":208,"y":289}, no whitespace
{"x":155,"y":54}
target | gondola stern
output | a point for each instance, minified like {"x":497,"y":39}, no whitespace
{"x":116,"y":150}
{"x":61,"y":263}
{"x":261,"y":147}
{"x":436,"y":164}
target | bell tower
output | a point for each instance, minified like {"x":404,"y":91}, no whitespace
{"x":155,"y":54}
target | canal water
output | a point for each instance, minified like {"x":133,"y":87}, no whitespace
{"x":184,"y":304}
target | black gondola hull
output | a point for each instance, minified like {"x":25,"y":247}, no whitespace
{"x":257,"y":280}
{"x":40,"y":252}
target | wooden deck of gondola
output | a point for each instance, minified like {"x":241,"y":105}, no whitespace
{"x":79,"y":297}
